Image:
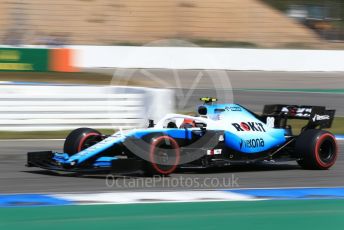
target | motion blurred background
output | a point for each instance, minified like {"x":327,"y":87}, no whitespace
{"x":316,"y":24}
{"x":63,"y":65}
{"x":260,"y":44}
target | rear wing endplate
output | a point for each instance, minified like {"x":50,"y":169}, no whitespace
{"x":317,"y":116}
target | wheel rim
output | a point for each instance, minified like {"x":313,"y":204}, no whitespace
{"x":163,"y":159}
{"x":326,"y":151}
{"x":164,"y":155}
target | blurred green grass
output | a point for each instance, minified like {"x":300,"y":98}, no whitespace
{"x":268,"y":215}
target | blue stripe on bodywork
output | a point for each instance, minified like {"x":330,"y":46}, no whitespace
{"x":30,"y":200}
{"x":175,"y":133}
{"x":104,"y":161}
{"x":117,"y":138}
{"x":95,"y":149}
{"x":297,"y":193}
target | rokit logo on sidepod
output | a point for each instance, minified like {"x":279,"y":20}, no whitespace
{"x":249,"y":126}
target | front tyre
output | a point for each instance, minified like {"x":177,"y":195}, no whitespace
{"x":317,"y":148}
{"x":164,"y":156}
{"x":80,"y":139}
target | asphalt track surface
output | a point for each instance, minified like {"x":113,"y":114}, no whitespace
{"x":16,"y":178}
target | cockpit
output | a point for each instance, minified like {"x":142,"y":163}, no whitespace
{"x":177,"y":121}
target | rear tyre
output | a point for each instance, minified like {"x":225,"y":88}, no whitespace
{"x":80,"y":139}
{"x":164,"y":156}
{"x":317,"y":149}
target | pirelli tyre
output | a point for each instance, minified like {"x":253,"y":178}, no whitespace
{"x":317,"y":149}
{"x":164,"y":156}
{"x":80,"y":139}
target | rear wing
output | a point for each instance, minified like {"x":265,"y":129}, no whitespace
{"x":317,"y":116}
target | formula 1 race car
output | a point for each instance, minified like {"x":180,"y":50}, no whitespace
{"x":220,"y":135}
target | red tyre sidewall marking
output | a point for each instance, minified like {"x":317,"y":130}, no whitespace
{"x":152,"y":151}
{"x":84,"y":138}
{"x":317,"y":147}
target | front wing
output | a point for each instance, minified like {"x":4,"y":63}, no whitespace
{"x":45,"y":160}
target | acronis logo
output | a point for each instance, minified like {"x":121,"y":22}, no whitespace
{"x":252,"y":143}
